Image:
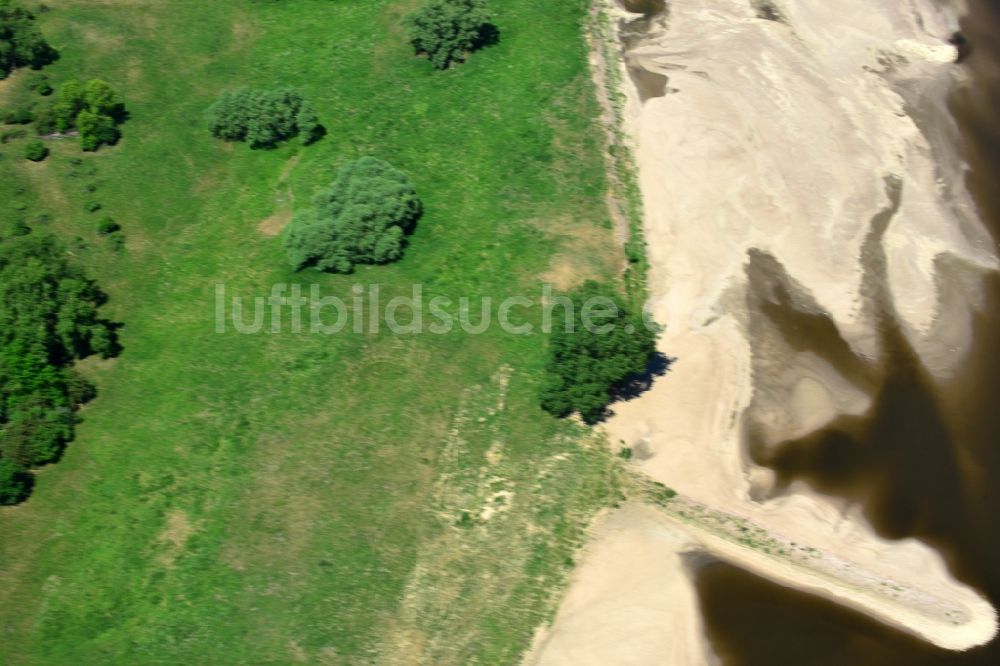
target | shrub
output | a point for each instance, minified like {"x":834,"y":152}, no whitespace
{"x":262,"y":117}
{"x":116,"y":240}
{"x":35,"y":151}
{"x":45,"y":120}
{"x":361,"y":218}
{"x":38,"y":83}
{"x":446,"y":30}
{"x":587,"y":363}
{"x":21,"y":43}
{"x":107,"y":226}
{"x":19,"y":228}
{"x":94,"y":111}
{"x":635,"y":251}
{"x":92,"y":206}
{"x":10,"y":135}
{"x":20,"y":116}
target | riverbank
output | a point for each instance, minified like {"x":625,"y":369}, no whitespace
{"x":800,"y":181}
{"x":633,"y":598}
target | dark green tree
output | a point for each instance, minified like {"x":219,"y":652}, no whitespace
{"x":103,"y":100}
{"x":262,"y":118}
{"x":96,"y":129}
{"x":48,"y":319}
{"x":94,"y":110}
{"x":363,"y":217}
{"x":446,"y":30}
{"x":21,"y":42}
{"x":228,"y":117}
{"x":593,"y":354}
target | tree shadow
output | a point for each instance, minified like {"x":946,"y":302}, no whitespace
{"x":115,"y":347}
{"x":634,"y":386}
{"x":307,"y":139}
{"x":46,"y":55}
{"x":489,"y":35}
{"x":120,"y":114}
{"x":23,"y":483}
{"x":315,"y":135}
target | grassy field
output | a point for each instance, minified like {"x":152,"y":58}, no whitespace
{"x":272,"y":499}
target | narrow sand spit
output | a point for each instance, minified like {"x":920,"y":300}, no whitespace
{"x":801,"y":159}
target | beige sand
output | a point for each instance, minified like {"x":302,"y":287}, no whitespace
{"x":808,"y":161}
{"x":632,"y":602}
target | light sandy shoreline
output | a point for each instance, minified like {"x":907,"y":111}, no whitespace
{"x":809,"y":162}
{"x":631,"y":601}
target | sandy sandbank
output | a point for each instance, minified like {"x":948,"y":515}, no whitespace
{"x":805,"y":165}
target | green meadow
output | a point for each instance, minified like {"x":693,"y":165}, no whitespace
{"x":300,"y":498}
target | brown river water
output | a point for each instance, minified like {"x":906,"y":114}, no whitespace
{"x":924,"y":463}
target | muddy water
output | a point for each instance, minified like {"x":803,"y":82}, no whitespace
{"x":647,"y":83}
{"x":925,"y":463}
{"x":645,"y":7}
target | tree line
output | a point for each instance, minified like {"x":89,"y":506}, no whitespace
{"x":21,"y":42}
{"x":49,"y":318}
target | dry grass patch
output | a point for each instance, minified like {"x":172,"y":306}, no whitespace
{"x":274,"y":224}
{"x":245,"y":32}
{"x":586,"y":252}
{"x":173,"y":537}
